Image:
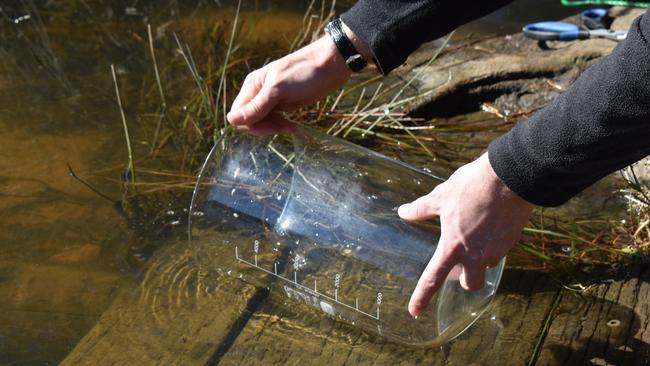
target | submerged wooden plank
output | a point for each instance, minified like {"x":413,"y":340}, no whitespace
{"x":47,"y":307}
{"x":173,"y":317}
{"x":293,"y":334}
{"x":525,"y":298}
{"x":638,"y":339}
{"x":607,"y":326}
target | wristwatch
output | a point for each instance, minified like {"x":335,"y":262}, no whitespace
{"x":353,"y":59}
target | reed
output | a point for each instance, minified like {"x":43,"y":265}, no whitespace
{"x":163,"y":102}
{"x":131,"y":171}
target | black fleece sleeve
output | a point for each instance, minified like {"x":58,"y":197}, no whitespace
{"x":395,"y":28}
{"x":599,"y":125}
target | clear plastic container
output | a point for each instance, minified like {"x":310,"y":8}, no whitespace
{"x":314,"y":218}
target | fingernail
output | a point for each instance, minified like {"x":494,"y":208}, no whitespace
{"x":404,"y":209}
{"x":232,"y":116}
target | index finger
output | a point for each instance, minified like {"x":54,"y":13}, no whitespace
{"x":434,"y":275}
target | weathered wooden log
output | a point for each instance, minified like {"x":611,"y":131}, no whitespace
{"x":496,"y":68}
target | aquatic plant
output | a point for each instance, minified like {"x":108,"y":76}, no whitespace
{"x":632,"y":235}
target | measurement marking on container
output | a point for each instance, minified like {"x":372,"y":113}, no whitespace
{"x":337,"y":284}
{"x":380,"y":297}
{"x":315,"y":290}
{"x":253,"y":158}
{"x":256,"y":247}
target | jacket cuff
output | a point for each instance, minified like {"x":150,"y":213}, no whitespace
{"x":523,"y":176}
{"x":394,"y":29}
{"x":386,"y":61}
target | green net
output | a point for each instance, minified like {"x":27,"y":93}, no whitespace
{"x":638,"y":4}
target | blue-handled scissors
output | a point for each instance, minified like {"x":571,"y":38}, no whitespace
{"x":561,"y":31}
{"x":596,"y":20}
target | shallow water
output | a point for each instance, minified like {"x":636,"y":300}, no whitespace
{"x":67,"y":252}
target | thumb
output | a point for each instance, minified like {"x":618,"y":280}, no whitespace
{"x":255,"y":110}
{"x":423,"y":208}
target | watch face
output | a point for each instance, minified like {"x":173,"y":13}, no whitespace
{"x":356,"y":62}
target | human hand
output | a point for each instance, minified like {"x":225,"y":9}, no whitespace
{"x":298,"y":79}
{"x":481,"y":220}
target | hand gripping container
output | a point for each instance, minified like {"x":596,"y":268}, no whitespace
{"x":314,"y":218}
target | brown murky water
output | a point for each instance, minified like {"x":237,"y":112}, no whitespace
{"x":66,"y":251}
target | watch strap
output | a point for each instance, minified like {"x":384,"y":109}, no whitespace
{"x":353,"y":59}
